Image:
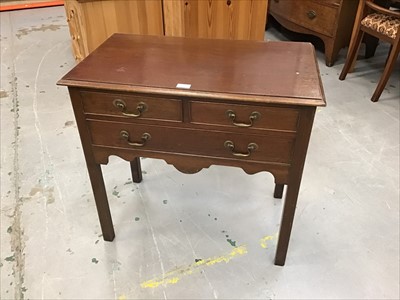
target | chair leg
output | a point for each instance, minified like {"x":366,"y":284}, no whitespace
{"x":352,"y":54}
{"x":391,"y":61}
{"x":387,"y":58}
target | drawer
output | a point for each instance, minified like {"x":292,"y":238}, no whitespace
{"x":311,"y":14}
{"x":255,"y":117}
{"x":335,"y":3}
{"x":270,"y":147}
{"x":132,"y":106}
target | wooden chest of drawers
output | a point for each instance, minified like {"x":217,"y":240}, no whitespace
{"x":330,"y":20}
{"x":232,"y":111}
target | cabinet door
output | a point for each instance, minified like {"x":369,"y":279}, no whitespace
{"x":74,"y":19}
{"x":99,"y":19}
{"x":225,"y":19}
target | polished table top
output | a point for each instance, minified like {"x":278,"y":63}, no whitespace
{"x":258,"y":69}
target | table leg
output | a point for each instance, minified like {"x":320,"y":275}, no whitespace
{"x":100,"y":196}
{"x":289,"y":209}
{"x":293,"y":184}
{"x":136,"y":170}
{"x":278,"y":192}
{"x":94,"y":169}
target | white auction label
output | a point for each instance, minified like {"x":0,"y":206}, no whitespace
{"x":183,"y":86}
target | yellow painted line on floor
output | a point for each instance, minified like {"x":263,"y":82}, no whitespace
{"x":156,"y":282}
{"x":263,"y":241}
{"x":174,"y":276}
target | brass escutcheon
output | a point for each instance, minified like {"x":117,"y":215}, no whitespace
{"x":250,"y":148}
{"x":253,"y":116}
{"x":121,"y":106}
{"x":311,"y":14}
{"x":145,"y":137}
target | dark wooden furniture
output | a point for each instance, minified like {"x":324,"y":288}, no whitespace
{"x":245,"y":104}
{"x":381,"y":23}
{"x":330,"y":20}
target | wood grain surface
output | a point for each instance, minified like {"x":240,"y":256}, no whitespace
{"x":235,"y":19}
{"x":278,"y":69}
{"x":92,"y":22}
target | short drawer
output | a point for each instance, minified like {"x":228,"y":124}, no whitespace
{"x":335,"y":3}
{"x":234,"y":115}
{"x":132,"y":106}
{"x":270,"y":147}
{"x":308,"y":13}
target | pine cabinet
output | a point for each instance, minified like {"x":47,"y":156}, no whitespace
{"x":91,"y":22}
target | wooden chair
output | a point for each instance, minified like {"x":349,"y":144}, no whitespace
{"x":381,"y":23}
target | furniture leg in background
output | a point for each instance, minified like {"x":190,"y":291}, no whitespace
{"x":136,"y":170}
{"x":278,"y":191}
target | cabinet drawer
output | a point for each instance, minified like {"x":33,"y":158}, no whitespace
{"x":132,"y":106}
{"x":270,"y":147}
{"x":335,"y":3}
{"x":255,"y":117}
{"x":310,"y":14}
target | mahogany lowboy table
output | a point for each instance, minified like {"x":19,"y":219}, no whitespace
{"x":196,"y":103}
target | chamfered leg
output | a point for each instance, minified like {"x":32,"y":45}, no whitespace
{"x":100,"y":196}
{"x":136,"y":170}
{"x":278,"y":191}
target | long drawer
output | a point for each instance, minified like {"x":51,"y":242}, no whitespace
{"x":269,"y":147}
{"x":243,"y":116}
{"x":132,"y":107}
{"x":314,"y":15}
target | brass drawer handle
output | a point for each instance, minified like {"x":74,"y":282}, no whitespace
{"x":121,"y":106}
{"x":145,"y":137}
{"x":253,"y":116}
{"x":231,"y":146}
{"x":311,"y":14}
